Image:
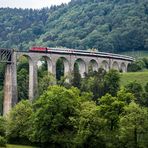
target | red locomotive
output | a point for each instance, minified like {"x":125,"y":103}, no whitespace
{"x":38,"y":49}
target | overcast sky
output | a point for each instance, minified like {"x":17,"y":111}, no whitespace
{"x":30,"y":3}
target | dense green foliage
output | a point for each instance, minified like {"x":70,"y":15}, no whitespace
{"x":20,"y":115}
{"x":68,"y":118}
{"x":117,"y":25}
{"x":2,"y":132}
{"x":133,"y":126}
{"x":18,"y":27}
{"x":2,"y":141}
{"x":100,"y":82}
{"x":95,"y":115}
{"x":23,"y":78}
{"x":2,"y":126}
{"x":54,"y":113}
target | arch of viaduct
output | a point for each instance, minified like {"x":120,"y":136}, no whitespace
{"x":107,"y":62}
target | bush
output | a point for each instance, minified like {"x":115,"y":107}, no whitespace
{"x":136,"y":66}
{"x":145,"y":60}
{"x":2,"y":126}
{"x":2,"y":141}
{"x":17,"y":123}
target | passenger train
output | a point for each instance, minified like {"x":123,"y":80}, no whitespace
{"x":77,"y":52}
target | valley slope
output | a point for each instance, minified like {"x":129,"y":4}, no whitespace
{"x":110,"y":26}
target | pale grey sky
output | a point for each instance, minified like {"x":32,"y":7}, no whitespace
{"x":30,"y":3}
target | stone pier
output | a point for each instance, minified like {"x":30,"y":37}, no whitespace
{"x":10,"y":86}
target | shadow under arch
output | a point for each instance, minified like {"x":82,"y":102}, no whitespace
{"x":62,"y":67}
{"x":123,"y":67}
{"x":23,"y":66}
{"x":115,"y":66}
{"x":105,"y":65}
{"x":81,"y":66}
{"x":33,"y":83}
{"x":45,"y":76}
{"x":93,"y":65}
{"x":130,"y":67}
{"x":47,"y":63}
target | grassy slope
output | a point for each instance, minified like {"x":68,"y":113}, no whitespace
{"x":140,"y":77}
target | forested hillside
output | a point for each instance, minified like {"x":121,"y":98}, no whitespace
{"x":107,"y":25}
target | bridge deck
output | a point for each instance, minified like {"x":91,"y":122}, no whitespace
{"x":84,"y":53}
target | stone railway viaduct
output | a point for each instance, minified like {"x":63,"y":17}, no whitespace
{"x":84,"y":60}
